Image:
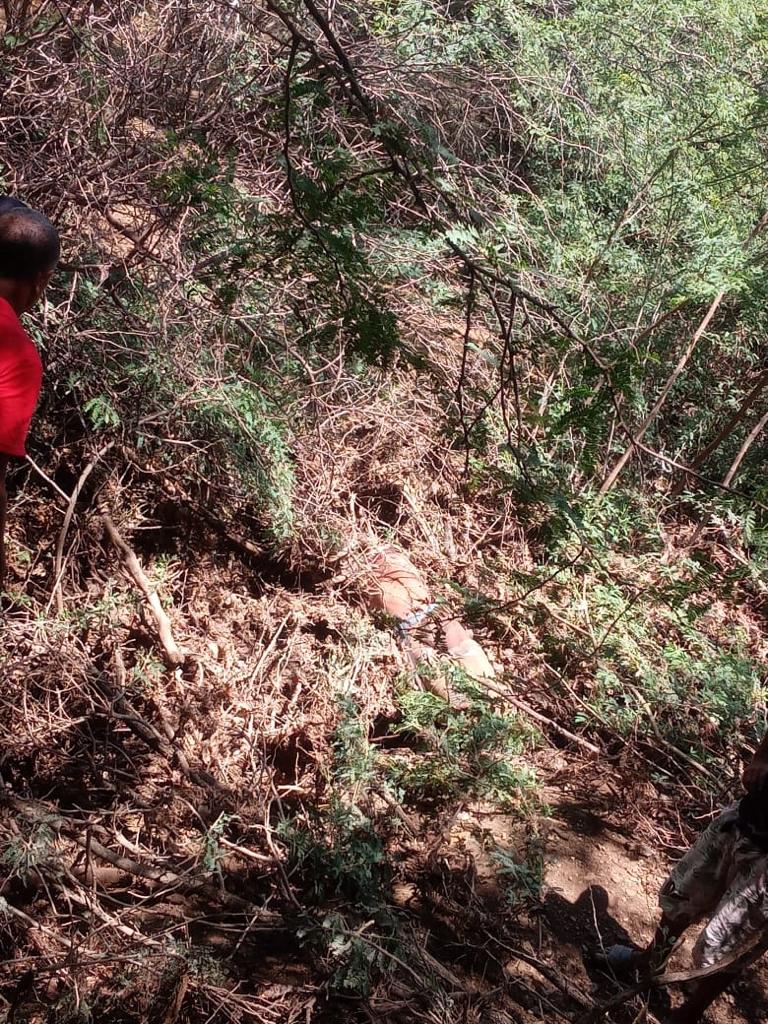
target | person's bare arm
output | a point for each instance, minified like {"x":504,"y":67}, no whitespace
{"x":3,"y":510}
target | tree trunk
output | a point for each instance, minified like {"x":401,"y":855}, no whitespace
{"x":610,"y":480}
{"x":735,"y":419}
{"x":750,"y":439}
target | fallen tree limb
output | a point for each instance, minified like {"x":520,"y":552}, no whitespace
{"x":173,"y":654}
{"x":82,"y":834}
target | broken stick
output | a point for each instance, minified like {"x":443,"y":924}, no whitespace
{"x":174,"y":656}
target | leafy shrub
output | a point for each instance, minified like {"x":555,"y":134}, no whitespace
{"x":459,"y":754}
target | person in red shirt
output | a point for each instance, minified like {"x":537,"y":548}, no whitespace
{"x":29,"y":252}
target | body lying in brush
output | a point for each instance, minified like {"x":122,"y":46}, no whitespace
{"x":723,"y":877}
{"x":29,"y":252}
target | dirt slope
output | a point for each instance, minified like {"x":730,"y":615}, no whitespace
{"x":255,"y":834}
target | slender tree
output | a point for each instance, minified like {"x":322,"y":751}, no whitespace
{"x":734,"y":420}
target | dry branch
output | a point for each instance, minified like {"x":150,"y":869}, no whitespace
{"x":174,"y":656}
{"x":83,"y":835}
{"x":57,"y":566}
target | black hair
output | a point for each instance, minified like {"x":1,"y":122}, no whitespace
{"x":8,"y":203}
{"x":29,"y":243}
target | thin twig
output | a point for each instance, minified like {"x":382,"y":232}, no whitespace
{"x":57,"y":565}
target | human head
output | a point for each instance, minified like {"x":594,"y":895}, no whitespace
{"x":29,"y":252}
{"x":9,"y":203}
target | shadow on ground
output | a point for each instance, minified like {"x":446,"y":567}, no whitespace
{"x":601,"y":888}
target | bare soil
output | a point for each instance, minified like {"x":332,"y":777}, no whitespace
{"x":255,"y":709}
{"x":600,"y":887}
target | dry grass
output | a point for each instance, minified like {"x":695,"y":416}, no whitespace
{"x":144,"y":865}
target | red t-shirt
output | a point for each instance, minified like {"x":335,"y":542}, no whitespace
{"x":21,"y":376}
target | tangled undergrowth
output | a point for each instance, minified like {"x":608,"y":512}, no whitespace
{"x":484,"y":281}
{"x":282,"y":824}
